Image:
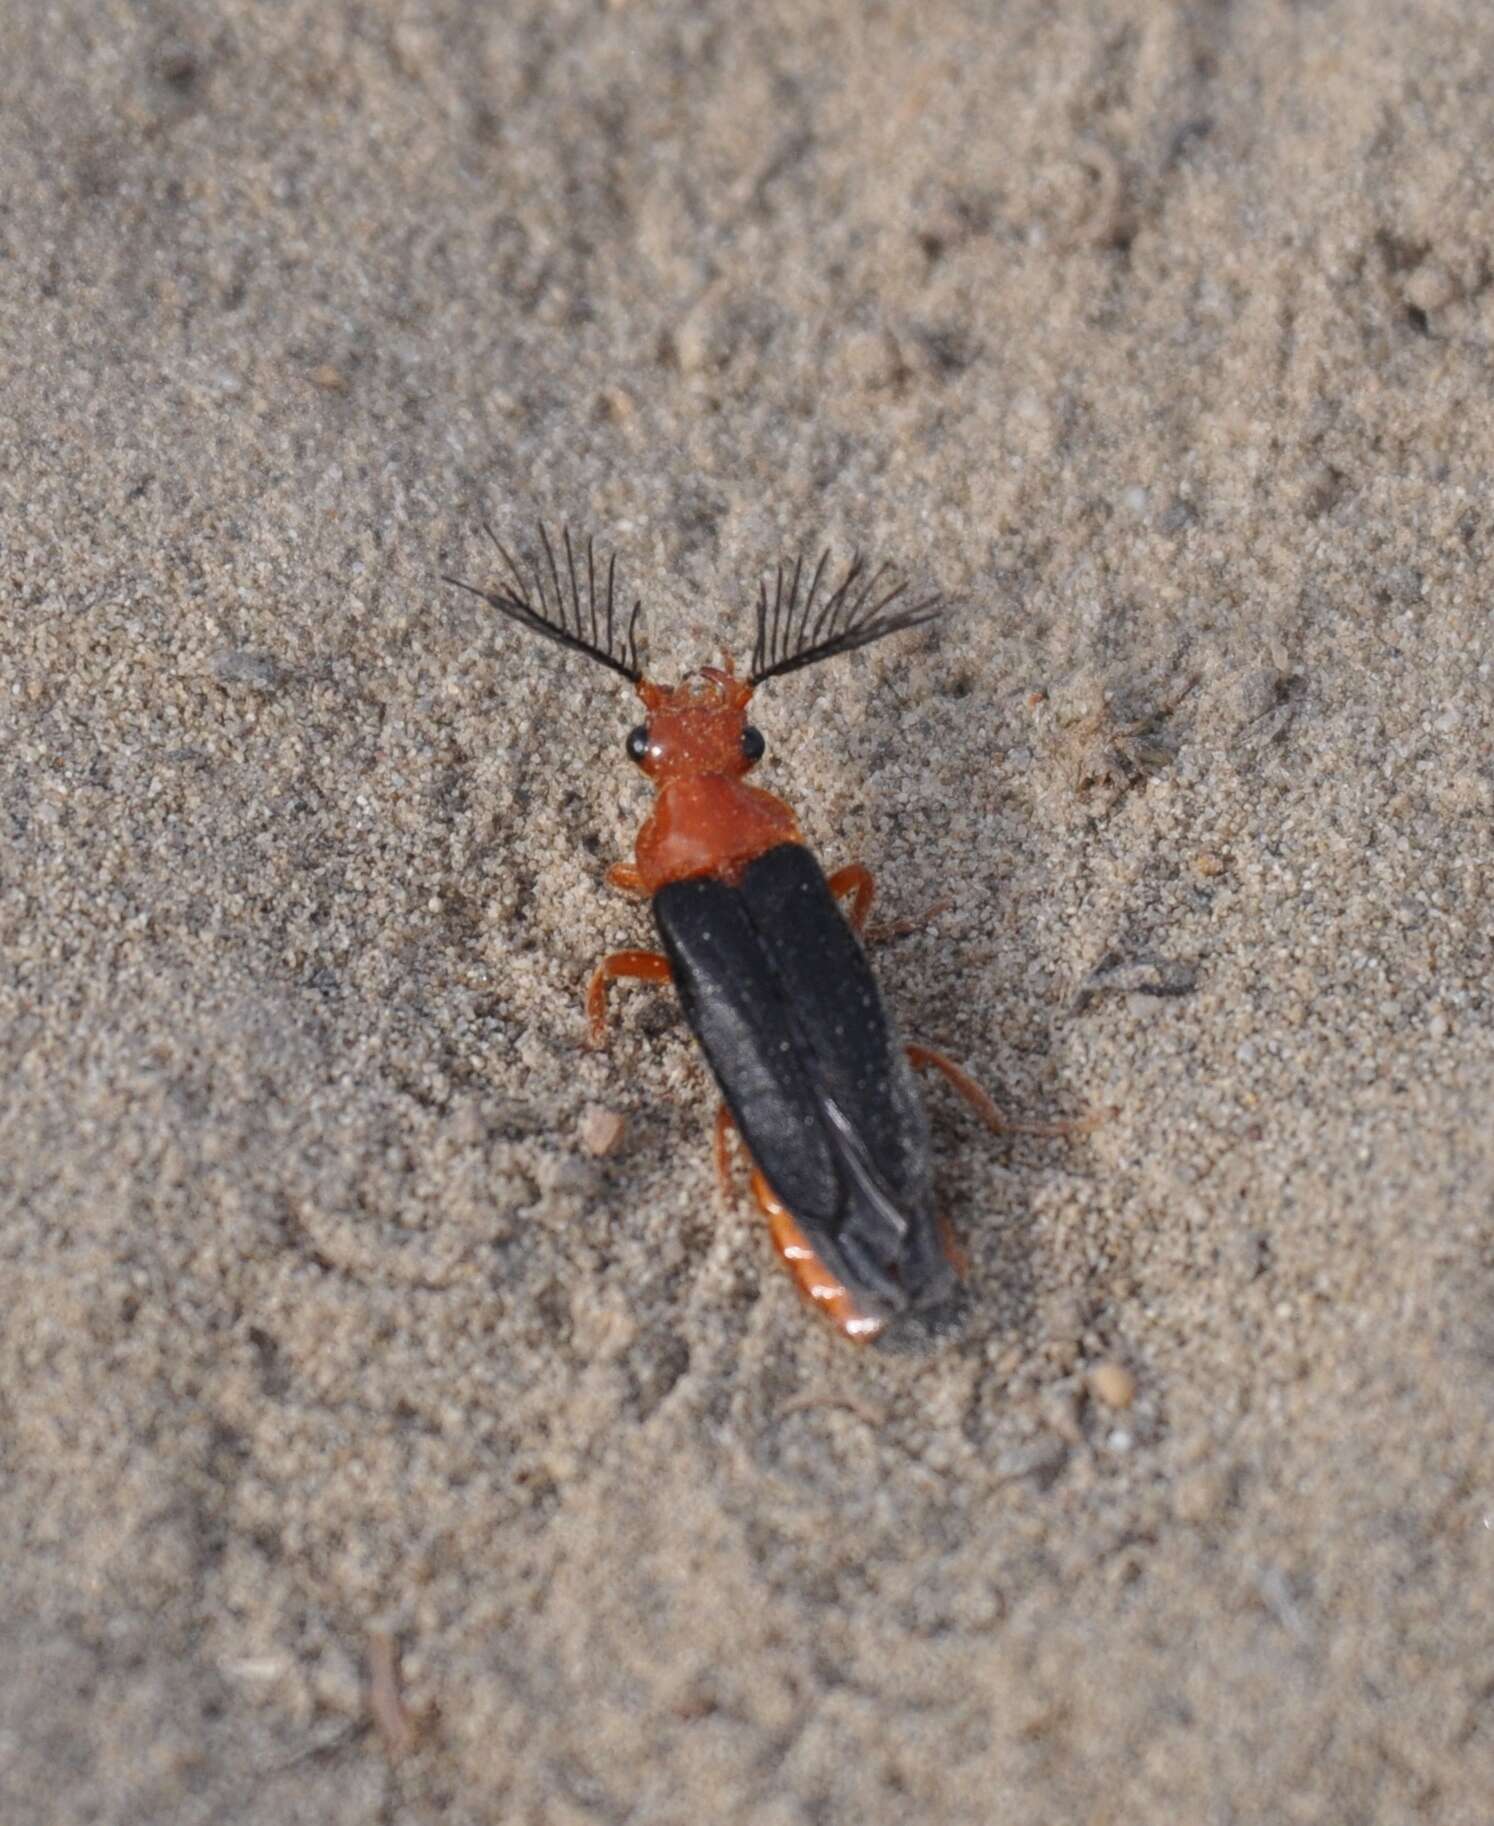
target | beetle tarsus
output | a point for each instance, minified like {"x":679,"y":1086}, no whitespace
{"x":885,"y":929}
{"x":926,"y":1058}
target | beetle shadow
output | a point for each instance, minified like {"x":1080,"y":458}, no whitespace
{"x":996,"y":1297}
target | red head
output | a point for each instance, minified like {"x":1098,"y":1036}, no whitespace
{"x":696,"y":727}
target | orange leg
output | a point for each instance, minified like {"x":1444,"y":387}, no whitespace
{"x":900,"y":928}
{"x":813,"y":1279}
{"x":924,"y":1058}
{"x":955,"y":1252}
{"x":624,"y":876}
{"x":725,"y":1128}
{"x":642,"y":966}
{"x":855,"y":878}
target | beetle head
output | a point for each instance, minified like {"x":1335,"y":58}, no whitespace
{"x":698,"y":726}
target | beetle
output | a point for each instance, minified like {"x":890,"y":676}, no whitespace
{"x":770,"y":973}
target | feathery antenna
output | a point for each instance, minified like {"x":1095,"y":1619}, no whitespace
{"x":853,"y":615}
{"x":592,"y":631}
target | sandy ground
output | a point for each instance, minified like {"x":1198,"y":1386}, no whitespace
{"x":1160,"y":337}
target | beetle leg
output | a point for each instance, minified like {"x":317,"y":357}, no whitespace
{"x":643,"y":966}
{"x":855,"y":878}
{"x":813,"y":1279}
{"x":955,"y":1252}
{"x":911,"y":922}
{"x":924,"y":1058}
{"x":625,"y":877}
{"x":724,"y":1129}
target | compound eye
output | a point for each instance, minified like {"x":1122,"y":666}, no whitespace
{"x":638,"y":743}
{"x":753,"y":745}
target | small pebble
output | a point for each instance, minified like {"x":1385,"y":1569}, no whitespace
{"x":870,"y":359}
{"x":1064,"y":1319}
{"x":705,"y":338}
{"x":601,"y":1130}
{"x":615,"y":403}
{"x":1430,"y":288}
{"x":236,"y":667}
{"x":1060,"y":1411}
{"x":1200,"y":1495}
{"x":1113,"y":1384}
{"x":337,"y":1683}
